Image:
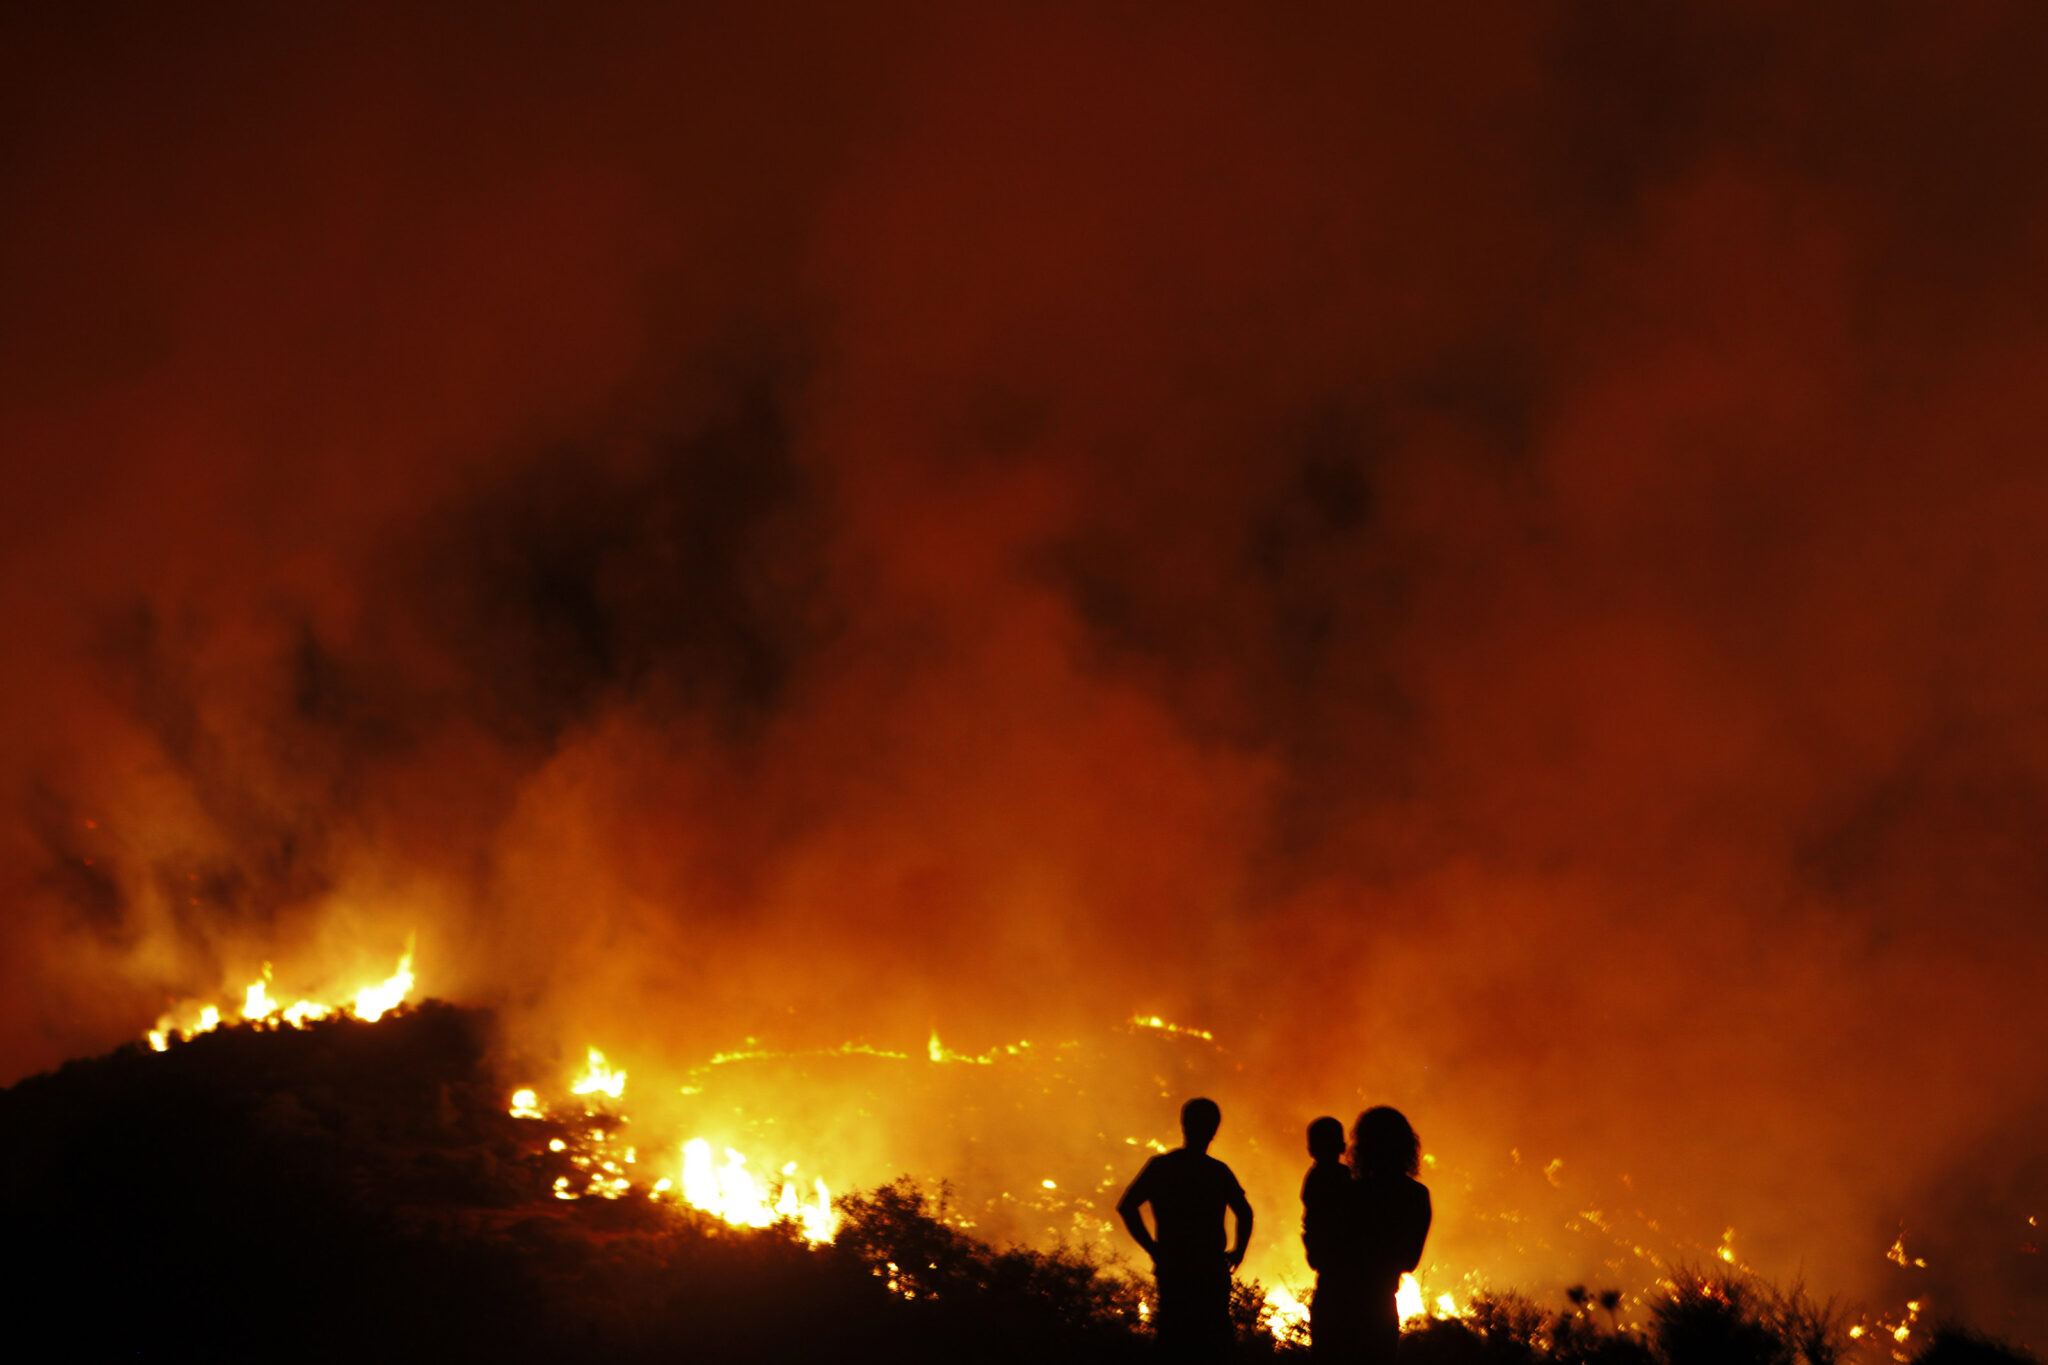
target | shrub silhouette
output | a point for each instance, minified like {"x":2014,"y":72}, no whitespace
{"x":1703,"y":1319}
{"x":1498,"y":1329}
{"x":1580,"y":1337}
{"x":1953,"y":1345}
{"x":1720,"y":1317}
{"x":958,"y":1298}
{"x":1716,"y":1320}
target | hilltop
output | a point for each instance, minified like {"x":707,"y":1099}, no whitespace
{"x":350,"y":1190}
{"x":353,"y":1190}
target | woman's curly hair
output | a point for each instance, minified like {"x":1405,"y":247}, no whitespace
{"x":1383,"y":1143}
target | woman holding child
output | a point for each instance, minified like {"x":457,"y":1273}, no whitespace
{"x":1363,"y":1230}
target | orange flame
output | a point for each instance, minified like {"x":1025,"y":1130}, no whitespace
{"x":259,"y":1009}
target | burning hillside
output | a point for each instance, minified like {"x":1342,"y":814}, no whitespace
{"x":348,"y":1190}
{"x":864,"y":561}
{"x":998,"y":1131}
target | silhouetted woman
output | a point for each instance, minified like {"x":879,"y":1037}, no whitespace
{"x":1391,"y":1220}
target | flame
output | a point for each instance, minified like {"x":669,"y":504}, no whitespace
{"x":1155,"y":1023}
{"x":256,"y":1001}
{"x":260,"y":1009}
{"x":750,"y":1053}
{"x":730,"y":1192}
{"x":1408,"y":1299}
{"x":939,"y":1052}
{"x":599,"y":1078}
{"x":373,"y":1002}
{"x":1289,"y":1314}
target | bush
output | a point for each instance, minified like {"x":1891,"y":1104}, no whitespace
{"x":959,"y":1298}
{"x":1498,"y":1329}
{"x":1954,"y":1345}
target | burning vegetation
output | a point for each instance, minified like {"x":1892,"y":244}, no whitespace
{"x":897,"y":588}
{"x":363,"y":1171}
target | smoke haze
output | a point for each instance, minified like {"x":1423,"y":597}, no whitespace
{"x":1494,"y":560}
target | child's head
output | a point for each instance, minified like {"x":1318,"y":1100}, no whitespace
{"x":1326,"y":1139}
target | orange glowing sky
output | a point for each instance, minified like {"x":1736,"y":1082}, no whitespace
{"x":1496,"y":560}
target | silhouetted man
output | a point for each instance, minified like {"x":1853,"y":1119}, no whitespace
{"x":1188,"y":1190}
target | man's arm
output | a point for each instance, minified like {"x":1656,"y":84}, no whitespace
{"x":1242,"y":1207}
{"x":1127,"y":1208}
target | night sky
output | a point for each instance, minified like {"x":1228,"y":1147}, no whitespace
{"x":1497,"y":558}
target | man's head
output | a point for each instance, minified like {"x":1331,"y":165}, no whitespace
{"x":1199,"y":1120}
{"x":1326,"y":1139}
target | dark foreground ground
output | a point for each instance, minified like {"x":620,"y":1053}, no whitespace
{"x":357,"y":1192}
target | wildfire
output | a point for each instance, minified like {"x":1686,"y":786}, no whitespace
{"x":718,"y":1179}
{"x":1158,"y":1025}
{"x":261,"y":1010}
{"x":1900,"y":1331}
{"x":1897,"y":1255}
{"x":1288,"y":1314}
{"x":599,"y":1079}
{"x":372,"y":1002}
{"x":728,"y":1191}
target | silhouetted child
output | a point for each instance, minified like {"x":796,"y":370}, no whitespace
{"x":1328,"y":1236}
{"x":1324,"y":1192}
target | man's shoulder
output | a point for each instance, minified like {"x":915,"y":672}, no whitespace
{"x":1184,"y":1167}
